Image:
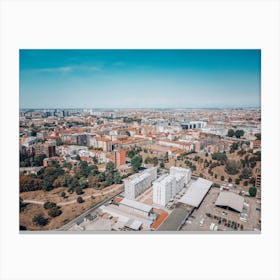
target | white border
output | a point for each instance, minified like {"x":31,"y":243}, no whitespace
{"x":155,"y":24}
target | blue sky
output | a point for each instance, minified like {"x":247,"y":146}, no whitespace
{"x":139,"y":78}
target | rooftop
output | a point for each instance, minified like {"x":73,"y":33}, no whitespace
{"x":196,"y":192}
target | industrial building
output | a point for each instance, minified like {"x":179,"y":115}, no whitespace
{"x":133,"y":206}
{"x":138,"y":183}
{"x":230,"y":201}
{"x":196,"y":192}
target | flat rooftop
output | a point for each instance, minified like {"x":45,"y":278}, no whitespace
{"x":174,"y":221}
{"x":136,"y":205}
{"x":196,"y":192}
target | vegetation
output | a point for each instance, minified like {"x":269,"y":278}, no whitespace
{"x":40,"y":220}
{"x":136,"y":162}
{"x":30,"y":161}
{"x":80,"y":199}
{"x":232,"y":167}
{"x":253,"y":191}
{"x":219,"y":156}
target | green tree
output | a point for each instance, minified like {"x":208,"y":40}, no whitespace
{"x":258,"y":136}
{"x":54,"y":212}
{"x":239,"y":133}
{"x":63,"y":195}
{"x":110,"y":166}
{"x":136,"y":162}
{"x":155,"y":161}
{"x":161,"y":164}
{"x":232,"y":167}
{"x":252,"y":191}
{"x":117,"y":178}
{"x":49,"y":205}
{"x":80,"y":199}
{"x":222,"y":178}
{"x":40,"y":220}
{"x":79,"y":191}
{"x":230,"y":133}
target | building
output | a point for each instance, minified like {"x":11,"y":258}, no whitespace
{"x":135,"y":207}
{"x":187,"y":173}
{"x":196,"y":192}
{"x":119,"y":157}
{"x":138,"y":183}
{"x":193,"y":125}
{"x":230,"y":201}
{"x":162,"y":189}
{"x":105,"y":144}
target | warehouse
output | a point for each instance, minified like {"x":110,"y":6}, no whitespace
{"x":133,"y":206}
{"x":176,"y":219}
{"x":231,"y":201}
{"x":196,"y":192}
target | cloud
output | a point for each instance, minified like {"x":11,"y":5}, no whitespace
{"x":67,"y":69}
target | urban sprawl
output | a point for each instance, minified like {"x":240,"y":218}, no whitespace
{"x":140,"y":169}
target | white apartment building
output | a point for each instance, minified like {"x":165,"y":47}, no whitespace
{"x":187,"y":173}
{"x":138,"y":183}
{"x":167,"y":186}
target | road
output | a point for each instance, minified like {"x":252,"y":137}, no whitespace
{"x":71,"y":223}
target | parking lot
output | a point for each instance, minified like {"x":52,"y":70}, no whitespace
{"x":224,"y":220}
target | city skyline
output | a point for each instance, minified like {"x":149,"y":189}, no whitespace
{"x":148,"y":79}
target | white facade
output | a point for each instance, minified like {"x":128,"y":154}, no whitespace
{"x":138,"y":183}
{"x":166,"y":187}
{"x":181,"y":171}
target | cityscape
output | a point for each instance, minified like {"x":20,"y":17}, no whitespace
{"x":140,"y":141}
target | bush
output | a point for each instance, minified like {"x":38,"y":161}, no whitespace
{"x":80,"y":199}
{"x":253,"y":191}
{"x":40,"y":220}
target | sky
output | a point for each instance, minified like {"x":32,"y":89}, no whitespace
{"x":139,"y":78}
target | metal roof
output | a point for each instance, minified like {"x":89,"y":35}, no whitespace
{"x":230,"y":199}
{"x":196,"y":192}
{"x":175,"y":220}
{"x":136,"y":205}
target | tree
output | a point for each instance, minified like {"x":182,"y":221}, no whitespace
{"x":258,"y":136}
{"x":117,"y":178}
{"x":79,"y":191}
{"x":40,"y":220}
{"x":229,"y":179}
{"x":161,"y":164}
{"x":222,"y":178}
{"x":219,"y":156}
{"x":230,"y":133}
{"x":232,"y":167}
{"x":93,"y":181}
{"x":136,"y":162}
{"x":110,"y":166}
{"x":147,"y":160}
{"x":54,"y":212}
{"x":80,"y":199}
{"x":109,"y":180}
{"x":246,"y":173}
{"x":239,"y":133}
{"x":155,"y":161}
{"x":253,"y":191}
{"x":215,"y":185}
{"x":233,"y":147}
{"x":237,"y":181}
{"x":49,"y":205}
{"x":63,"y":195}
